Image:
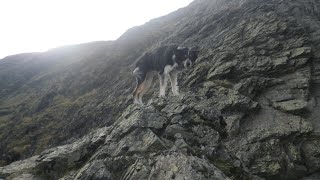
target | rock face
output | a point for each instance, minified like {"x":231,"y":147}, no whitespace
{"x":249,"y":109}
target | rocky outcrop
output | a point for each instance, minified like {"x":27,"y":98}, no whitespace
{"x":248,"y":110}
{"x":161,"y":140}
{"x":54,"y":162}
{"x":179,"y":137}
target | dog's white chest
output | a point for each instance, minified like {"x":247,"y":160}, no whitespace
{"x":169,"y":68}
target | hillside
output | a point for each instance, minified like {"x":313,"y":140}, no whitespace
{"x":248,"y":110}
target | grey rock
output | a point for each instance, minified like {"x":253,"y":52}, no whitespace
{"x":139,"y":141}
{"x":314,"y":176}
{"x":94,"y":170}
{"x":262,"y":148}
{"x":279,"y":95}
{"x":14,"y":169}
{"x":54,"y":162}
{"x":233,"y":124}
{"x":139,"y":170}
{"x":179,"y":166}
{"x":26,"y":176}
{"x":311,"y":152}
{"x":291,"y":106}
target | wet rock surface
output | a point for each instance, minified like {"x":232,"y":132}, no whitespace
{"x":249,"y":109}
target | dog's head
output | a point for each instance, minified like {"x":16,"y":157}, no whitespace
{"x":186,"y":56}
{"x":192,"y":56}
{"x":180,"y":55}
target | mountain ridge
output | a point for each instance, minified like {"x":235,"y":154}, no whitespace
{"x":247,"y":110}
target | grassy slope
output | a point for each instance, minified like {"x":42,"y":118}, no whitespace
{"x":50,"y":98}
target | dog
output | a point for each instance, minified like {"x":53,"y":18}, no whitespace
{"x":166,"y":61}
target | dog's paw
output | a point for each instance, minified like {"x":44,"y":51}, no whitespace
{"x":176,"y":93}
{"x":137,"y":102}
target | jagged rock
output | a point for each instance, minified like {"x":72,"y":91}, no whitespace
{"x":136,"y":116}
{"x":181,"y":145}
{"x":54,"y":162}
{"x":295,"y":53}
{"x":14,"y":170}
{"x":139,"y":141}
{"x":279,"y":95}
{"x":221,"y":70}
{"x":314,"y":176}
{"x":94,"y":170}
{"x":291,"y":106}
{"x":311,"y":152}
{"x":233,"y":123}
{"x":139,"y":170}
{"x":179,"y":166}
{"x":252,"y":85}
{"x":262,"y":146}
{"x":26,"y":176}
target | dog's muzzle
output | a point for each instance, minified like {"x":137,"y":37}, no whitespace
{"x":187,"y":63}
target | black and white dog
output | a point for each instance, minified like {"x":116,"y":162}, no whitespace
{"x":166,"y":61}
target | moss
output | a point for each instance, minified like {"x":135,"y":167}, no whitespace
{"x":174,"y":168}
{"x":60,"y":100}
{"x":2,"y":163}
{"x":26,"y":121}
{"x":4,"y":120}
{"x":223,"y":83}
{"x":274,"y":168}
{"x":230,"y":170}
{"x":5,"y":124}
{"x":43,"y":143}
{"x":20,"y":146}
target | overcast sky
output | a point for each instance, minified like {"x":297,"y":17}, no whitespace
{"x":38,"y":25}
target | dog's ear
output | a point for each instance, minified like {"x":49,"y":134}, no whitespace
{"x":193,"y":53}
{"x":180,"y":50}
{"x":194,"y":49}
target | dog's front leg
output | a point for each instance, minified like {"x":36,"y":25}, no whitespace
{"x":163,"y":84}
{"x":174,"y":82}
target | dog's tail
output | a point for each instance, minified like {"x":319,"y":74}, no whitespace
{"x":140,"y":76}
{"x":136,"y":71}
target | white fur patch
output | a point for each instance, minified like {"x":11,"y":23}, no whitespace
{"x":169,"y":68}
{"x":162,"y":91}
{"x":175,"y":65}
{"x":174,"y":82}
{"x":188,"y":61}
{"x":174,"y":57}
{"x":163,"y":85}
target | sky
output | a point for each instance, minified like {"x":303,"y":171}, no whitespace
{"x":39,"y":25}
